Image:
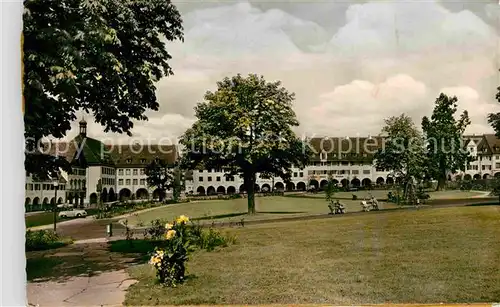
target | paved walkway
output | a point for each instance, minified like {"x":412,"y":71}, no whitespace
{"x":106,"y":289}
{"x":81,"y":274}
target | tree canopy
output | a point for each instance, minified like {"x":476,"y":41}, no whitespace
{"x":444,"y":137}
{"x":100,"y":57}
{"x":403,"y":153}
{"x":494,"y":118}
{"x":245,"y":128}
{"x":160,"y":175}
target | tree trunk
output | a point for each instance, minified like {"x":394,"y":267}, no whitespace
{"x":441,"y":183}
{"x":250,"y":186}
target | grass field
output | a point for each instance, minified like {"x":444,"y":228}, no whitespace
{"x":414,"y":256}
{"x":382,"y":194}
{"x":235,"y":209}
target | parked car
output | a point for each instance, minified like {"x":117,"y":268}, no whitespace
{"x":65,"y":206}
{"x":72,"y":213}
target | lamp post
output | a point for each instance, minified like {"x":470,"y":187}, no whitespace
{"x":56,"y":185}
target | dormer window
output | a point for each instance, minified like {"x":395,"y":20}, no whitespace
{"x":143,"y":161}
{"x":323,"y":156}
{"x":129,"y":161}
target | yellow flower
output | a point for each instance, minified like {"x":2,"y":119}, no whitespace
{"x":154,"y":260}
{"x":168,"y":226}
{"x":170,"y":234}
{"x":182,"y":219}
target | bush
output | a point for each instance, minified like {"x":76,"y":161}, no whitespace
{"x":354,"y":197}
{"x":170,"y":260}
{"x":156,"y":231}
{"x":43,"y":239}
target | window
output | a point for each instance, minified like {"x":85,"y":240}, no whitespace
{"x":209,"y":171}
{"x":129,"y":161}
{"x":135,"y":171}
{"x":498,"y":158}
{"x":127,"y":181}
{"x":135,"y":182}
{"x":143,"y":181}
{"x":218,"y":178}
{"x":497,"y":165}
{"x":120,"y":171}
{"x":324,"y":172}
{"x":200,"y":179}
{"x":301,"y":174}
{"x":37,"y":187}
{"x":143,"y":171}
{"x":355,"y":172}
{"x":143,"y":161}
{"x":295,"y":174}
{"x":322,"y":156}
{"x":366,"y":172}
{"x":209,"y":178}
{"x":120,"y":181}
{"x":127,"y":171}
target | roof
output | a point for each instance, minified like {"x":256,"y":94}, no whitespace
{"x":490,"y":143}
{"x":141,"y":155}
{"x":346,"y":149}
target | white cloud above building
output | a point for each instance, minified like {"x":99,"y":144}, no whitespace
{"x":386,"y":58}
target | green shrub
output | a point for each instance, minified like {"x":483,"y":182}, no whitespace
{"x":354,"y":197}
{"x":156,"y":231}
{"x":43,"y":239}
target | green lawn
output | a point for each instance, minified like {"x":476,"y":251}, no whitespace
{"x":382,"y":194}
{"x":235,"y":209}
{"x":412,"y":256}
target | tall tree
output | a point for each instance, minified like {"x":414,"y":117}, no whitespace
{"x":404,"y":151}
{"x":494,"y":118}
{"x":161,"y":176}
{"x":444,"y":137}
{"x":245,"y":128}
{"x":101,"y":57}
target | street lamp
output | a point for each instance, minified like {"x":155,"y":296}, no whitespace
{"x":56,"y":185}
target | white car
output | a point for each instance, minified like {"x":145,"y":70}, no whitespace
{"x":73,"y":213}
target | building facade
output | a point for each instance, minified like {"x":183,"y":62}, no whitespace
{"x":121,"y":169}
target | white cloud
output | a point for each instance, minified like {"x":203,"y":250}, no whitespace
{"x":361,"y":106}
{"x":432,"y":49}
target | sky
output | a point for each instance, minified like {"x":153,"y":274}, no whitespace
{"x":350,"y":63}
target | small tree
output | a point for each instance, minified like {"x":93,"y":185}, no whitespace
{"x":160,"y":176}
{"x":444,"y":134}
{"x":330,"y":189}
{"x":404,"y":150}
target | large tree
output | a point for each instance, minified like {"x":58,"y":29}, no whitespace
{"x":98,"y":56}
{"x":160,"y":175}
{"x":494,"y":118}
{"x":444,"y":137}
{"x":245,"y":128}
{"x":403,"y":153}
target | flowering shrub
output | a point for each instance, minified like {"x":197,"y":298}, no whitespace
{"x":170,"y":260}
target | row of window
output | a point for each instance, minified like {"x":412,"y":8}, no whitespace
{"x":218,"y":178}
{"x":324,"y":155}
{"x":108,"y":181}
{"x":44,"y":187}
{"x":107,"y":170}
{"x":134,"y":181}
{"x":338,"y":172}
{"x":135,"y":171}
{"x":78,"y":171}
